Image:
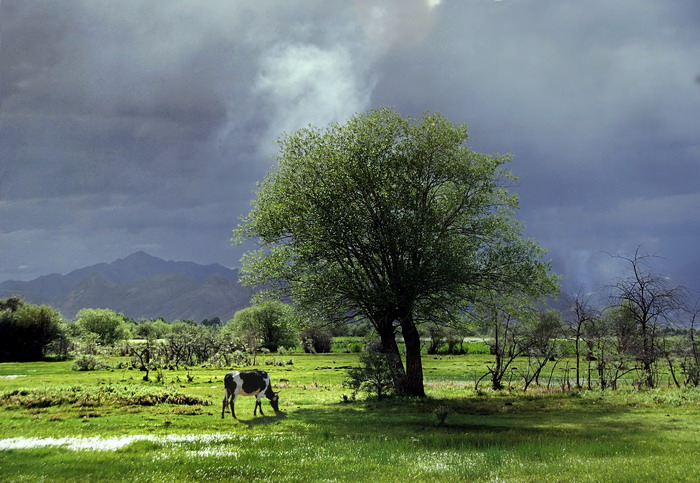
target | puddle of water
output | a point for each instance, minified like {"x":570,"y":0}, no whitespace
{"x":13,"y":376}
{"x":98,"y":443}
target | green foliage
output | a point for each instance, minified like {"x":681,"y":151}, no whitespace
{"x":154,"y":329}
{"x":268,"y":324}
{"x":373,"y":375}
{"x":446,"y":216}
{"x":394,"y":220}
{"x":476,"y":347}
{"x":109,"y":326}
{"x":441,"y":412}
{"x":89,"y":362}
{"x":27,"y":331}
{"x":316,"y":340}
{"x":95,"y":396}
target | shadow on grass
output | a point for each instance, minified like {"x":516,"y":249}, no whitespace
{"x":478,"y":423}
{"x":262,"y":420}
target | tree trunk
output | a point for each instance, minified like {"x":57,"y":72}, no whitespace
{"x":391,"y":349}
{"x":412,"y":383}
{"x":647,"y":355}
{"x":578,"y":361}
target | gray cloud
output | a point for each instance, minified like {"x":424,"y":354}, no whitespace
{"x":132,"y":124}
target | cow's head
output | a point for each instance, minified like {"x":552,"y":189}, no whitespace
{"x":275,"y":401}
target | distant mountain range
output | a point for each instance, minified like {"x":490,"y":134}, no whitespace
{"x":140,"y":286}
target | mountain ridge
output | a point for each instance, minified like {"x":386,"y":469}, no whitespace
{"x":139,"y":286}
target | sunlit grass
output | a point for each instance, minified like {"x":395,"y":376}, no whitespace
{"x":542,"y":435}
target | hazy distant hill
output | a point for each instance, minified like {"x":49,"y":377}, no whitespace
{"x":140,"y":285}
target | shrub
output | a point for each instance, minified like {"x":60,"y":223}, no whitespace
{"x":441,"y":413}
{"x":107,"y":324}
{"x":89,"y":362}
{"x":93,"y":397}
{"x":373,"y":345}
{"x":268,"y":324}
{"x":316,"y":341}
{"x":373,"y":375}
{"x":26,"y":330}
{"x":240,"y":358}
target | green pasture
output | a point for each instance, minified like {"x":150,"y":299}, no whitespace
{"x":61,"y":425}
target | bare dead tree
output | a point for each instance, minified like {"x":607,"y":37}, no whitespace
{"x":508,"y":341}
{"x":542,"y":342}
{"x":581,"y":313}
{"x":649,"y":301}
{"x":691,"y":350}
{"x":144,"y":354}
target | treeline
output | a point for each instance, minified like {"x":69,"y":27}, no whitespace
{"x":29,"y":332}
{"x":644,"y":334}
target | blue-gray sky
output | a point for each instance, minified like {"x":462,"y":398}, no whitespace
{"x":132,"y":125}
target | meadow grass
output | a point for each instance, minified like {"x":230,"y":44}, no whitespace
{"x":99,"y":425}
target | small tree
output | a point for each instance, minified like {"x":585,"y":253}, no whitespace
{"x":27,"y":331}
{"x":648,"y":301}
{"x":144,"y":354}
{"x":507,"y":337}
{"x":373,"y":375}
{"x":690,"y":349}
{"x":613,"y":345}
{"x":268,"y":323}
{"x":580,"y":315}
{"x":437,"y":335}
{"x":316,"y":340}
{"x":107,"y":324}
{"x":541,"y":341}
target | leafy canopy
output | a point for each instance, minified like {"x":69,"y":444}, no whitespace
{"x":27,"y":330}
{"x":109,"y":326}
{"x":385,"y":212}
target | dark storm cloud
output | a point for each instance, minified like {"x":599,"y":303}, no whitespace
{"x":142,"y":123}
{"x":137,"y":124}
{"x":595,"y":100}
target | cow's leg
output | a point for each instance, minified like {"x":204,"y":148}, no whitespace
{"x":233,"y":402}
{"x":258,"y":404}
{"x":223,"y":406}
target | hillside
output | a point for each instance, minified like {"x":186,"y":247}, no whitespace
{"x":140,"y":285}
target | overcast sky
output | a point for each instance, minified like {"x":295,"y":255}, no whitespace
{"x":132,"y":125}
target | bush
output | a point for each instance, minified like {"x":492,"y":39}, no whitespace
{"x":373,"y":345}
{"x":107,"y":324}
{"x":373,"y":375}
{"x":267,"y":324}
{"x":95,"y":397}
{"x":27,"y":331}
{"x":240,"y":358}
{"x":347,"y":346}
{"x":316,"y":341}
{"x":89,"y":362}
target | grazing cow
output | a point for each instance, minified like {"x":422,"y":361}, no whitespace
{"x":249,"y":383}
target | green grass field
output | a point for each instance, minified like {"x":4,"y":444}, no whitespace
{"x":61,"y":425}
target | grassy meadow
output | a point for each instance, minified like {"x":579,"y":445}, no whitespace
{"x":61,"y":425}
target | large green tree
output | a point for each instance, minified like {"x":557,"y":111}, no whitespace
{"x":390,"y":219}
{"x":26,"y":330}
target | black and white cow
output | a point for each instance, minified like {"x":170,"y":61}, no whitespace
{"x":249,"y":383}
